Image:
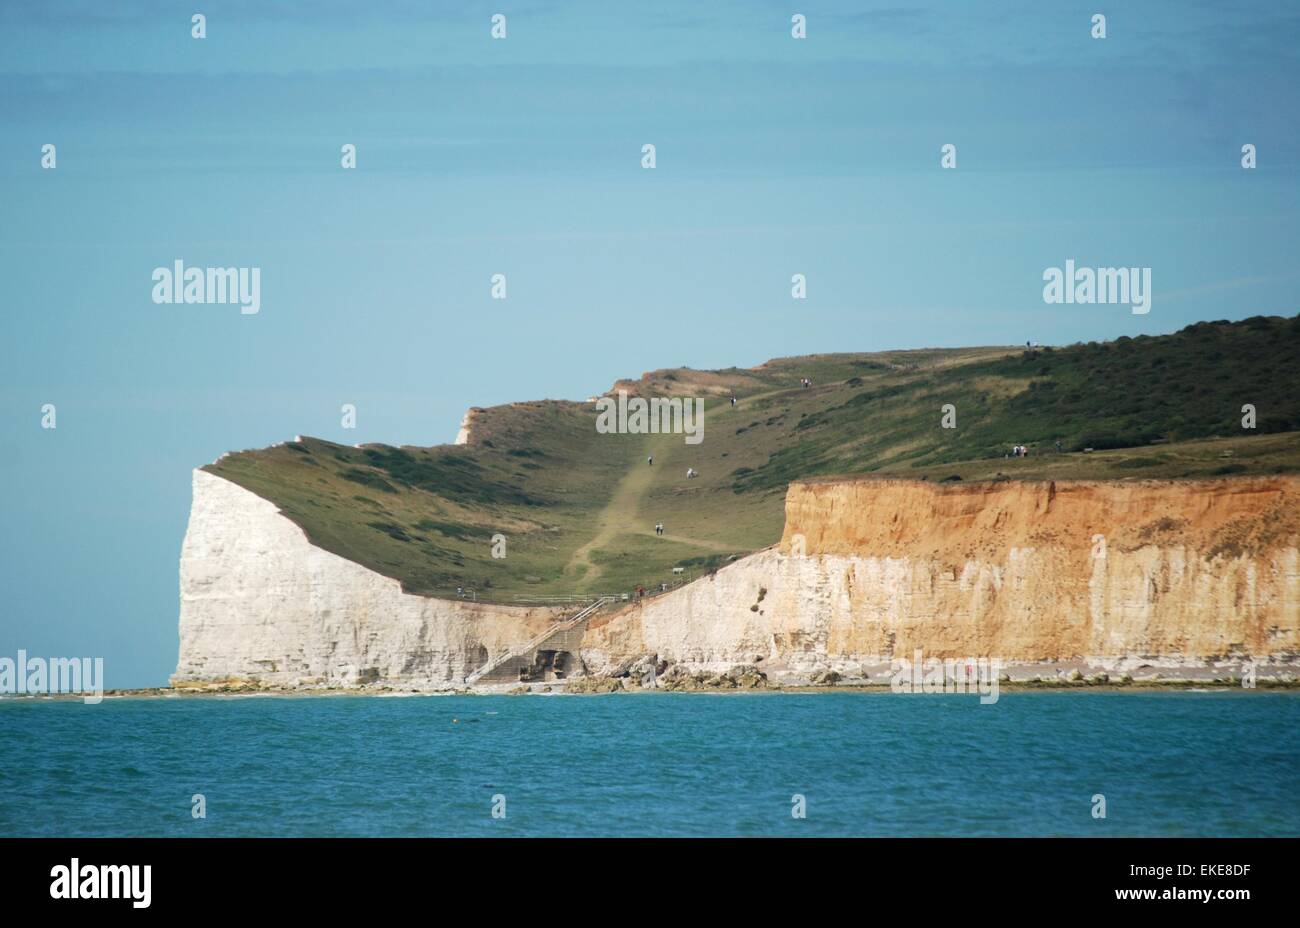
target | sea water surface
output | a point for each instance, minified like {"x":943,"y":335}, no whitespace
{"x":1171,"y":763}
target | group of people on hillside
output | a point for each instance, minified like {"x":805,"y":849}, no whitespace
{"x":805,"y":382}
{"x":659,"y":528}
{"x":641,"y":590}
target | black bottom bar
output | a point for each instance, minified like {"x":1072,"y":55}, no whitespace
{"x":946,"y":877}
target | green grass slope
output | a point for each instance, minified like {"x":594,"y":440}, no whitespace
{"x":578,"y":508}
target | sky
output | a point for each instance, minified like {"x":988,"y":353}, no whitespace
{"x":522,"y":156}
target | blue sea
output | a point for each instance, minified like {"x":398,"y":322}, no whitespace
{"x":1169,"y":763}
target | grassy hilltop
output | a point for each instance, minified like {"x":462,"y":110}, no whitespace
{"x":578,"y":508}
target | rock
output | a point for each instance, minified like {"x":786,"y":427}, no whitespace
{"x":1075,"y":675}
{"x":594,"y":684}
{"x":741,"y":676}
{"x":645,"y":669}
{"x":745,"y":676}
{"x":678,"y":678}
{"x":825,"y":678}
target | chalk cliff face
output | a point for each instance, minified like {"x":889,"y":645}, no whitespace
{"x":1111,"y":574}
{"x":466,"y":421}
{"x":259,"y":602}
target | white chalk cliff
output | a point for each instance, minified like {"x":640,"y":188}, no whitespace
{"x":462,"y":434}
{"x":259,"y":602}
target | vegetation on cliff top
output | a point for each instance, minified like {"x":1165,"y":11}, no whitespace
{"x":578,"y":508}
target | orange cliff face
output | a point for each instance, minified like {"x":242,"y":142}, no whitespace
{"x":1116,"y":574}
{"x":910,"y":518}
{"x":1039,"y":570}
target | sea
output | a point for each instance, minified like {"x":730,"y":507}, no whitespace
{"x":1097,"y":763}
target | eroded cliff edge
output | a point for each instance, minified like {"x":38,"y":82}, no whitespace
{"x":260,"y":603}
{"x":1111,"y":574}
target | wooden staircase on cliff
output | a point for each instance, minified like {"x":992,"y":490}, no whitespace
{"x":506,"y":668}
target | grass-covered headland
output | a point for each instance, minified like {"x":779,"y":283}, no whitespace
{"x":578,"y":508}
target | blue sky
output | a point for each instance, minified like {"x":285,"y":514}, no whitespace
{"x":522,"y":157}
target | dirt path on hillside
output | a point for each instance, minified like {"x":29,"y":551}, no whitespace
{"x":617,"y":517}
{"x":621,"y":515}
